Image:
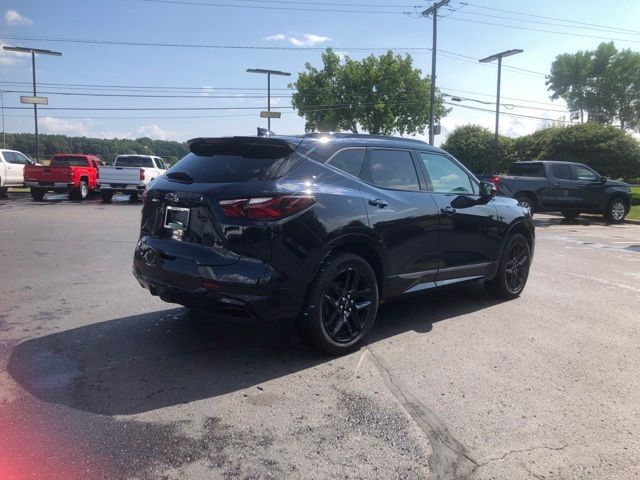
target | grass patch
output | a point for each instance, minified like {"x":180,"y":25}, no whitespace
{"x":634,"y":213}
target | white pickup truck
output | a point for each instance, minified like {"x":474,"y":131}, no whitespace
{"x":129,"y":174}
{"x":12,"y":165}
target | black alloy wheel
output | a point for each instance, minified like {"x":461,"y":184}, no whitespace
{"x":341,"y":305}
{"x":513,"y":270}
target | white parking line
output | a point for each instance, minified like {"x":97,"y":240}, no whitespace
{"x":603,"y":281}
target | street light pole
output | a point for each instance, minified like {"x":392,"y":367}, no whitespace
{"x":499,"y":57}
{"x":268,"y":73}
{"x":33,"y":52}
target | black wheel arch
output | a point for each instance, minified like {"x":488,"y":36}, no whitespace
{"x":523,"y":226}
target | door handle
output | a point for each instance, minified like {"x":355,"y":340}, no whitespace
{"x":376,"y":202}
{"x":555,"y":185}
{"x":448,"y":210}
{"x":583,"y":185}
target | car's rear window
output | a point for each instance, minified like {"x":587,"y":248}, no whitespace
{"x":236,"y":168}
{"x":134,"y":161}
{"x":527,"y":169}
{"x":68,"y":162}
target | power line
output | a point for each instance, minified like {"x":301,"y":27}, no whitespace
{"x":540,"y":30}
{"x":524,"y":20}
{"x":507,"y":113}
{"x":264,"y":7}
{"x":126,"y":95}
{"x":475,"y":5}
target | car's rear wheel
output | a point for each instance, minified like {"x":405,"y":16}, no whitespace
{"x":513,"y":270}
{"x":106,"y":196}
{"x":570,"y":215}
{"x":526,"y":202}
{"x":341,"y":304}
{"x":3,"y":192}
{"x":134,"y":198}
{"x":37,"y":194}
{"x":616,"y":211}
{"x":80,"y":192}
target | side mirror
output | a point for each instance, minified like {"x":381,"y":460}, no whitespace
{"x":487,"y":189}
{"x":603,"y":179}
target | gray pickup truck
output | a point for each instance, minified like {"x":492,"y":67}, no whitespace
{"x":566,"y":187}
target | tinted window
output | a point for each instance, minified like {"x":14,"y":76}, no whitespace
{"x":583,"y":173}
{"x":391,"y":169}
{"x":561,"y":171}
{"x":68,"y":162}
{"x":134,"y":161}
{"x":445,"y":175}
{"x":527,"y":169}
{"x":349,"y":160}
{"x":8,"y":157}
{"x":235,"y":168}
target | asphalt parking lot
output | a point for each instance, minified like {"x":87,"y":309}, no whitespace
{"x":100,"y":380}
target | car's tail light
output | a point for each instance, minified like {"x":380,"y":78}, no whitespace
{"x":495,"y":180}
{"x":142,"y":174}
{"x":266,"y":208}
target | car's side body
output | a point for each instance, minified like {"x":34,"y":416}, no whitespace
{"x":562,"y":186}
{"x":12,"y":165}
{"x":414,"y":239}
{"x":64,"y":173}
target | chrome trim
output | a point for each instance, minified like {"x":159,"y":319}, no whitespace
{"x":421,"y":286}
{"x":416,"y":275}
{"x":442,"y":283}
{"x":465,"y":267}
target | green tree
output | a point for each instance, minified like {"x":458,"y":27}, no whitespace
{"x":474,"y":146}
{"x":380,"y":95}
{"x":605,"y":83}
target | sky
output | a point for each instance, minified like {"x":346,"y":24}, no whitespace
{"x":190,"y":87}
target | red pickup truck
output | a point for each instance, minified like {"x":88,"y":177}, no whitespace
{"x":73,"y":173}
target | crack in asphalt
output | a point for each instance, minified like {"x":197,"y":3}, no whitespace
{"x":449,"y":460}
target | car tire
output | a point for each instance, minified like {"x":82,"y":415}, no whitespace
{"x":527,"y":202}
{"x":134,"y":198}
{"x":570,"y":215}
{"x":38,"y":194}
{"x":3,"y":192}
{"x":81,"y":192}
{"x":341,"y":305}
{"x":513,"y":270}
{"x":616,"y":211}
{"x":106,"y":196}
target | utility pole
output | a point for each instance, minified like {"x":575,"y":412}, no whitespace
{"x":433,"y":10}
{"x":4,"y":139}
{"x":34,"y":100}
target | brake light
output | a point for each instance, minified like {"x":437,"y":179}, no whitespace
{"x":142,"y":174}
{"x":495,"y":180}
{"x":266,"y":208}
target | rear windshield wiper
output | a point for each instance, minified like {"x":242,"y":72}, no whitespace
{"x":182,"y":177}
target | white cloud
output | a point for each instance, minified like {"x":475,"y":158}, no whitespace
{"x":79,"y":128}
{"x":307,"y":40}
{"x":278,"y":36}
{"x":153,"y":131}
{"x":13,"y":18}
{"x":10,"y":58}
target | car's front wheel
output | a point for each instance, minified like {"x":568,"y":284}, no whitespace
{"x":616,"y":211}
{"x":341,"y":304}
{"x":513,"y":270}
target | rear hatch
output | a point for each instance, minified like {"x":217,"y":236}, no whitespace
{"x":128,"y":170}
{"x":202,"y":207}
{"x":47,"y":174}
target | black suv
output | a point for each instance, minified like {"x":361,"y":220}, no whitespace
{"x":321,"y":228}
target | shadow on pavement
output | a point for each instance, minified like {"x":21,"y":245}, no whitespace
{"x":145,"y":362}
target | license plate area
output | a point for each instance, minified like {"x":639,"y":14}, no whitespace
{"x":177,"y":218}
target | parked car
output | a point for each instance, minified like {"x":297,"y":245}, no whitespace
{"x":73,"y":173}
{"x":322,"y":228}
{"x":565,"y":187}
{"x":12,"y":165}
{"x":130,"y":174}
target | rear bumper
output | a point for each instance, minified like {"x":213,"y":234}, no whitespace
{"x":245,"y":288}
{"x":44,"y":184}
{"x":121,"y":187}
